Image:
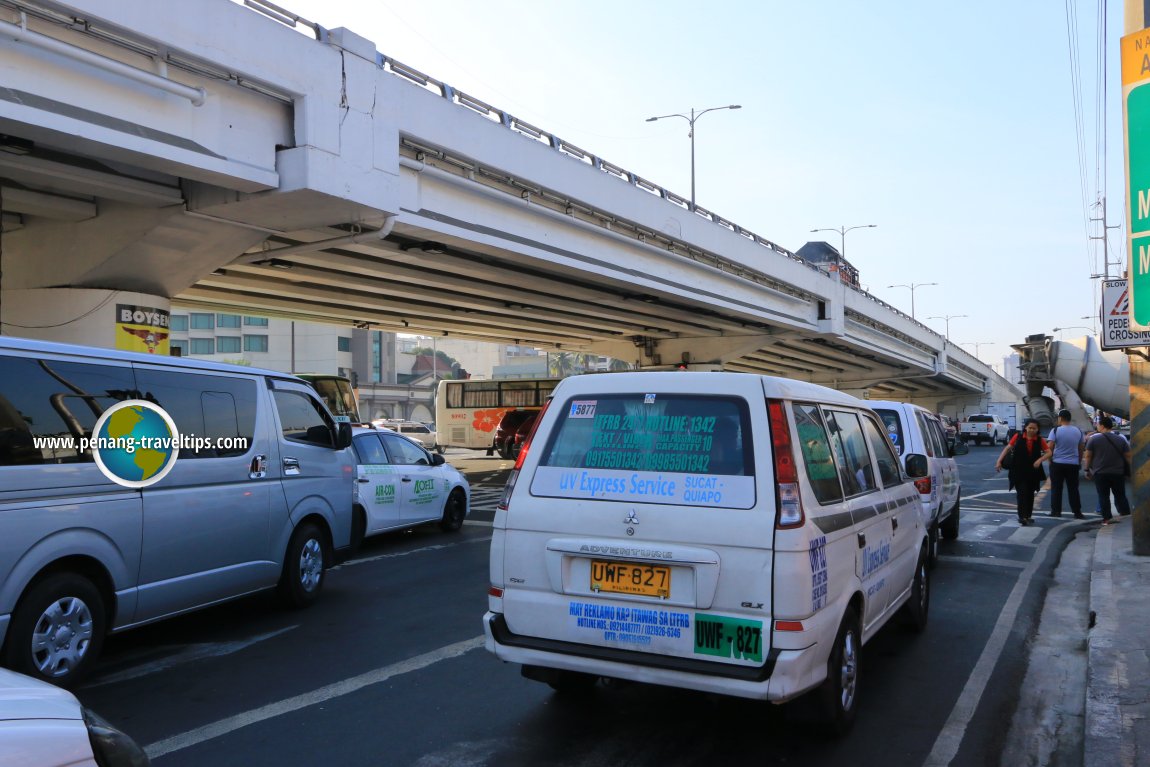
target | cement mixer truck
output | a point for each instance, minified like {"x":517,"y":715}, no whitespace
{"x":1079,"y":372}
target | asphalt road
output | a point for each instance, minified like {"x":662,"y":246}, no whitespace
{"x":389,"y":669}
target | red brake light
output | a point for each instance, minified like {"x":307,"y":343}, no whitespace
{"x":787,"y":495}
{"x":785,"y":469}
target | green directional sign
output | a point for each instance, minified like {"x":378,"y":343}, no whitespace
{"x":1136,"y":85}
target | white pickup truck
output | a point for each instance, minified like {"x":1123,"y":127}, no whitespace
{"x":983,"y":427}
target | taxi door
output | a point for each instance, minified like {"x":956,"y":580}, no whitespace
{"x":421,"y":491}
{"x":377,"y":482}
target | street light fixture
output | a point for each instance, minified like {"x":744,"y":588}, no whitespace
{"x":1072,"y":327}
{"x":691,"y":121}
{"x":947,"y":318}
{"x":976,"y":344}
{"x":842,"y":230}
{"x":913,"y":286}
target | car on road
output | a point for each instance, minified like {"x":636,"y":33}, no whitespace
{"x":916,"y":431}
{"x":509,"y":424}
{"x":400,"y":483}
{"x":420,"y":432}
{"x":42,"y":725}
{"x":523,"y":433}
{"x":984,"y":427}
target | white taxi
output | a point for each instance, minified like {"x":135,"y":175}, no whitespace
{"x":400,"y":484}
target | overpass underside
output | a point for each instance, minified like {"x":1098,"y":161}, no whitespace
{"x":319,"y":180}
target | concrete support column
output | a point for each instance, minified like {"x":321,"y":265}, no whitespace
{"x":112,"y":319}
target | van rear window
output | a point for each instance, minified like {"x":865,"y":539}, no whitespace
{"x":650,"y":448}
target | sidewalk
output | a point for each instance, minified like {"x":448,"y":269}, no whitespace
{"x":1118,"y":673}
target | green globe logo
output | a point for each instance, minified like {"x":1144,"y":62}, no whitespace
{"x":136,"y":443}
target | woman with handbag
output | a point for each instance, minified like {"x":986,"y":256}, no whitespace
{"x":1022,"y":458}
{"x":1107,"y":462}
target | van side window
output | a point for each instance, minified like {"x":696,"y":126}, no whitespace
{"x":937,"y":437}
{"x":403,"y":452}
{"x":929,"y":444}
{"x":850,"y":450}
{"x":888,"y":468}
{"x":816,"y":451}
{"x":62,"y":400}
{"x":302,"y":418}
{"x":212,"y":407}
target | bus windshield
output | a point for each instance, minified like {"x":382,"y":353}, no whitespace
{"x":468,"y":412}
{"x":337,"y":394}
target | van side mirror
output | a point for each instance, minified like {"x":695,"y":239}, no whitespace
{"x":959,"y":448}
{"x":917,"y":466}
{"x":342,"y":435}
{"x":437,"y":459}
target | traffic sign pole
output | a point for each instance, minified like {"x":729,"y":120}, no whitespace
{"x":1136,"y":127}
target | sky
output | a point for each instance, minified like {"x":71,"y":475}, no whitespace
{"x":951,"y":127}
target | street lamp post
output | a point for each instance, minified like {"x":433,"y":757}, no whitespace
{"x":1073,"y":327}
{"x":947,"y":318}
{"x":913,"y":287}
{"x":976,"y":344}
{"x":691,"y":121}
{"x":842,"y":230}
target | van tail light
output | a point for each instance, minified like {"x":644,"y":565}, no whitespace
{"x":787,"y":494}
{"x":505,"y":499}
{"x":923,"y":485}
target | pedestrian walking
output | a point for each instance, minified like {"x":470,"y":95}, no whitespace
{"x":1107,"y":462}
{"x":1026,"y":451}
{"x":1067,"y":443}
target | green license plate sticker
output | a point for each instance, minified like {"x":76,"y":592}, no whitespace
{"x":728,"y":637}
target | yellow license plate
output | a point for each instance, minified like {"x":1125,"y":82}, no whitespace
{"x":627,"y":578}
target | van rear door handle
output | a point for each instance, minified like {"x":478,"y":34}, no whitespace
{"x":894,"y":522}
{"x":862,"y":540}
{"x":407,"y":479}
{"x":291,"y":466}
{"x":258,"y":468}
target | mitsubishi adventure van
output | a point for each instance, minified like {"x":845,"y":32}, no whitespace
{"x":919,"y":435}
{"x":722,"y":532}
{"x":135,"y":487}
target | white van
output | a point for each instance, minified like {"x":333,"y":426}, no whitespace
{"x":920,"y":435}
{"x":723,"y":532}
{"x":134,"y":488}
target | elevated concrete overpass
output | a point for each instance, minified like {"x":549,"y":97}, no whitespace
{"x":241,"y":161}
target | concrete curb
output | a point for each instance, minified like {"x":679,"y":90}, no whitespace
{"x":1118,"y":676}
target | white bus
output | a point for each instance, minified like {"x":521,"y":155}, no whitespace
{"x":467,"y":412}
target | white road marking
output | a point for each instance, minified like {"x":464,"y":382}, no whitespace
{"x":347,"y":686}
{"x":188,"y":654}
{"x":949,"y":740}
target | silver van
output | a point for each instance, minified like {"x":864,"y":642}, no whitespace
{"x":134,"y":488}
{"x":722,"y":532}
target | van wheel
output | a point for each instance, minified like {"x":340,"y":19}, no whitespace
{"x":453,"y":512}
{"x":949,"y":526}
{"x":304,"y":566}
{"x":838,"y":695}
{"x":932,"y":544}
{"x":57,"y":629}
{"x":917,"y":608}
